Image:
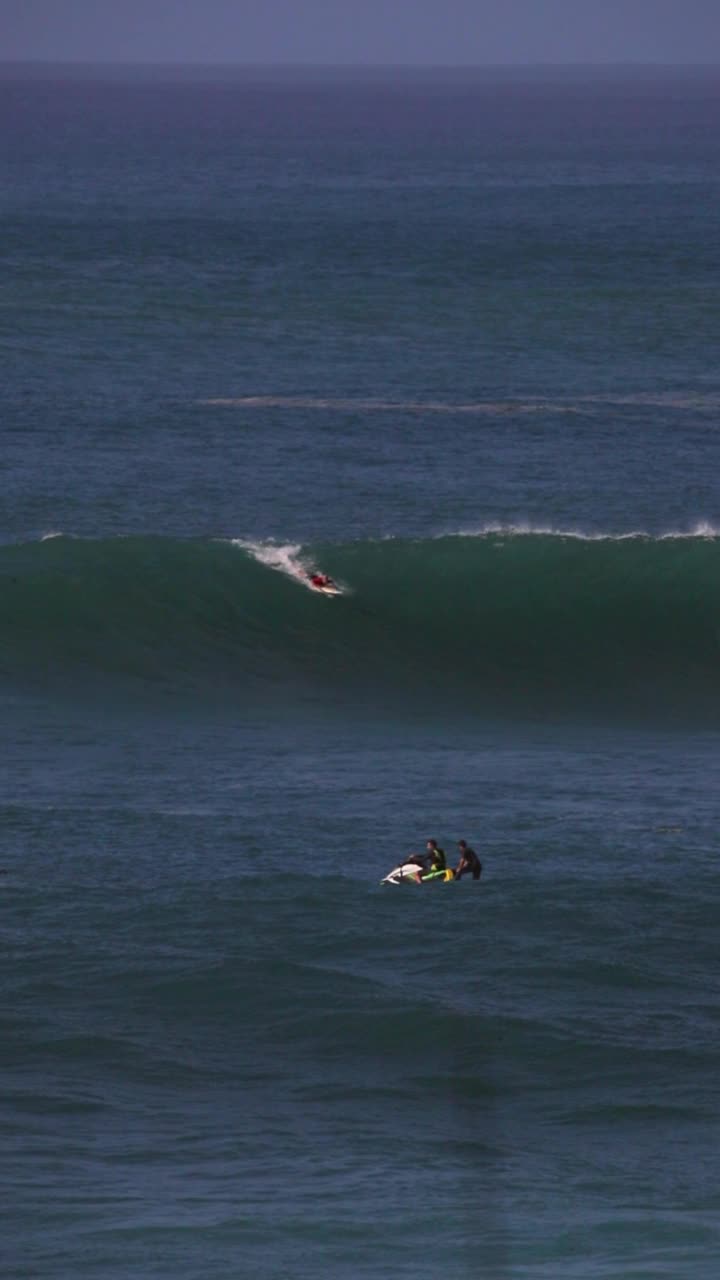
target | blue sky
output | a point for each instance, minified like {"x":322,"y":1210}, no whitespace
{"x":412,"y":32}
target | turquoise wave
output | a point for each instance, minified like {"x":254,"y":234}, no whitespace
{"x":498,"y":621}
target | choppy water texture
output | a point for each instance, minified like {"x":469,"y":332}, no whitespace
{"x":451,"y":339}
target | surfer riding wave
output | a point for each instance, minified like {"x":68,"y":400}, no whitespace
{"x":322,"y":581}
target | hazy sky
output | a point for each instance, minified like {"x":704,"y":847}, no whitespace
{"x":362,"y":31}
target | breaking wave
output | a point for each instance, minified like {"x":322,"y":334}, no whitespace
{"x":545,"y":622}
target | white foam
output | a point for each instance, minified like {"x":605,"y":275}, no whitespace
{"x":285,"y":558}
{"x":703,"y":529}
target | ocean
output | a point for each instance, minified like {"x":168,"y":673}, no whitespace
{"x":450,"y":337}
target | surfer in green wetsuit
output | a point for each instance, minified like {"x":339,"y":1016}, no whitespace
{"x":435,"y":857}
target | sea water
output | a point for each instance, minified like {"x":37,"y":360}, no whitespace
{"x":451,"y":338}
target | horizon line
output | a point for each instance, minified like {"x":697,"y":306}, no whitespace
{"x":307,"y":65}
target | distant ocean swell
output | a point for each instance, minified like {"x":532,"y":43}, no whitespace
{"x":341,"y":1001}
{"x":502,"y":618}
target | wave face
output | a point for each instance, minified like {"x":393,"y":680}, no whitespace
{"x":498,"y":621}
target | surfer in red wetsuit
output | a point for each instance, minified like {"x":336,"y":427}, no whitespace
{"x":321,"y":580}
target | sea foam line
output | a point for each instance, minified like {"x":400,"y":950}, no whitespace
{"x":349,"y":405}
{"x":703,"y":529}
{"x":708,"y":400}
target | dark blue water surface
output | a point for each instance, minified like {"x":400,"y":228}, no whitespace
{"x":453,"y":339}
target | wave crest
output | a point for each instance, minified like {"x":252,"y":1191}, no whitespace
{"x":499,"y":619}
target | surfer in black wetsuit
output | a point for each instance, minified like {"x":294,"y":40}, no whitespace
{"x":469,"y":862}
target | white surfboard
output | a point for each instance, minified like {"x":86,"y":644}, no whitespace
{"x":330,"y":589}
